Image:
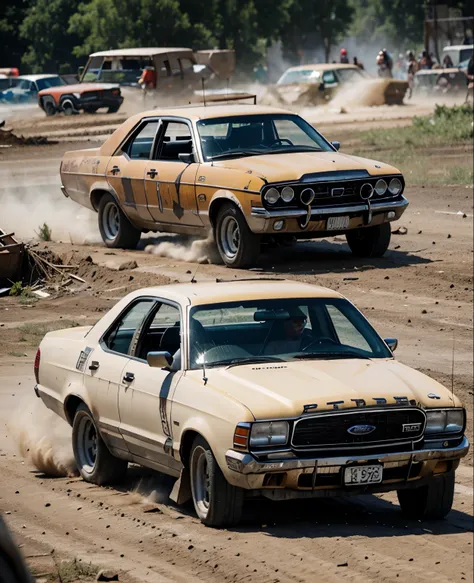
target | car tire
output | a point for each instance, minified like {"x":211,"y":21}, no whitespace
{"x":430,"y":502}
{"x":217,"y":502}
{"x":237,"y":245}
{"x":113,"y":109}
{"x":94,"y":461}
{"x":67,"y":107}
{"x":49,"y":107}
{"x":369,"y":241}
{"x":116,"y":230}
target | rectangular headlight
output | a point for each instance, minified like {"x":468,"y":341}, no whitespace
{"x":444,"y":421}
{"x":269,"y":433}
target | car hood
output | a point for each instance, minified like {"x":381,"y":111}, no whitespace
{"x":79,"y":88}
{"x":292,"y":166}
{"x":281,"y":390}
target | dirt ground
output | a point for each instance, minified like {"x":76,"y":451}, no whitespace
{"x":421,"y":292}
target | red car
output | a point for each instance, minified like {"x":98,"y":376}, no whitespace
{"x":88,"y":97}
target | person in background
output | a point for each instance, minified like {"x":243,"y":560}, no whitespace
{"x":448,"y":62}
{"x":384,"y":64}
{"x":147,"y":80}
{"x":412,"y":68}
{"x":426,"y":61}
{"x":344,"y":59}
{"x":357,"y":63}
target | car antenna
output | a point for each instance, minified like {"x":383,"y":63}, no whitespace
{"x":452,"y":371}
{"x":193,"y":279}
{"x":203,"y":91}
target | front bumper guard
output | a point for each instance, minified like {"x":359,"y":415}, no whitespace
{"x":245,"y":463}
{"x":375,"y":207}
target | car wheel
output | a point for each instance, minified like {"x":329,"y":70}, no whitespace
{"x":369,"y":241}
{"x":94,"y":461}
{"x":67,"y":107}
{"x":217,"y":503}
{"x":49,"y":108}
{"x":113,"y":109}
{"x":432,"y":501}
{"x":116,"y":230}
{"x":237,"y":245}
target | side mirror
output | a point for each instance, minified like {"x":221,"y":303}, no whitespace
{"x":337,"y":145}
{"x":392,"y":343}
{"x":159,"y":359}
{"x":186,"y":158}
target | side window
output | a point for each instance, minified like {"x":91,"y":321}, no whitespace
{"x":329,"y":78}
{"x":288,"y":130}
{"x":186,"y":65}
{"x":142,"y":144}
{"x":163,"y":333}
{"x":120,"y":336}
{"x":176,"y":140}
{"x":346,"y":331}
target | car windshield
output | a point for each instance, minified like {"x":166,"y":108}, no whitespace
{"x":49,"y":82}
{"x":230,"y":334}
{"x":251,"y":135}
{"x":459,"y":55}
{"x":300,"y":76}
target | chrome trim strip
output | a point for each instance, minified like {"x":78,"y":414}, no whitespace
{"x":262,"y":212}
{"x":64,"y":191}
{"x":244,"y":463}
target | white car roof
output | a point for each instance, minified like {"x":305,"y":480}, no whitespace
{"x":143,"y":52}
{"x":36,"y":77}
{"x":458,"y":47}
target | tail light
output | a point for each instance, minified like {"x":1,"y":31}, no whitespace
{"x":37,"y":364}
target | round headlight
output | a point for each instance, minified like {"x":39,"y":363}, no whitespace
{"x":366,"y":191}
{"x":287,"y":194}
{"x":307,"y":196}
{"x":381,"y":187}
{"x":272,"y":195}
{"x":395,"y":186}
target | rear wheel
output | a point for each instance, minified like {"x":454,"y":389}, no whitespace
{"x":432,"y":501}
{"x":369,"y":241}
{"x":94,"y":461}
{"x":217,"y":503}
{"x":237,"y":245}
{"x":49,"y":107}
{"x":113,"y":109}
{"x":116,"y":230}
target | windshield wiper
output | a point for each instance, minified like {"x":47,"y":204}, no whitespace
{"x":232,"y":153}
{"x":293,"y":150}
{"x":335,"y":355}
{"x":248,"y":360}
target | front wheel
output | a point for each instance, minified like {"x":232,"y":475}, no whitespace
{"x":369,"y":241}
{"x":217,"y":503}
{"x":116,"y":230}
{"x":113,"y":109}
{"x":432,"y":501}
{"x":94,"y":461}
{"x":237,"y":245}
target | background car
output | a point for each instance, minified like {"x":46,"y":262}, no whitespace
{"x":25,"y":88}
{"x":71,"y":99}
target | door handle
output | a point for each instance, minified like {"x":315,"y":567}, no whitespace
{"x":152,"y":173}
{"x":94,"y":365}
{"x":115,"y":170}
{"x":129,"y":377}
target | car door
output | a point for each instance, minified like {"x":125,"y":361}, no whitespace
{"x":146,"y":392}
{"x":105,"y":367}
{"x":330,"y":84}
{"x":170,"y":182}
{"x":126,"y":169}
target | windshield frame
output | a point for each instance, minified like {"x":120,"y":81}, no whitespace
{"x":371,"y":334}
{"x":300,"y":122}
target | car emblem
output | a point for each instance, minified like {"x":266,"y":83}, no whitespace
{"x":361,"y":429}
{"x":410,"y":427}
{"x":337,"y":191}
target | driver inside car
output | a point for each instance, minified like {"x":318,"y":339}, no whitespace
{"x":289,"y":335}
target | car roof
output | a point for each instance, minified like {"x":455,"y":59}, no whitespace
{"x":139,"y":52}
{"x":322,"y":67}
{"x":196,"y":112}
{"x":36,"y":77}
{"x":241,"y":290}
{"x":457,"y":47}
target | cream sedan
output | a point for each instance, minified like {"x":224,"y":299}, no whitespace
{"x":252,"y":388}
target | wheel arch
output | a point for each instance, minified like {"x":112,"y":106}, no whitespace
{"x":96,"y":195}
{"x":71,"y":404}
{"x":219,"y":199}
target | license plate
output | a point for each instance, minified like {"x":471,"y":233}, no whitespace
{"x":338,"y":223}
{"x":356,"y":475}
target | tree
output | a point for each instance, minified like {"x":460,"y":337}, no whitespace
{"x":45,"y":31}
{"x":315,"y":24}
{"x":12,"y":45}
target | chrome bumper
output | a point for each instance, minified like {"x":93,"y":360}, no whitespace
{"x":245,"y":463}
{"x":377,"y":207}
{"x":64,"y":191}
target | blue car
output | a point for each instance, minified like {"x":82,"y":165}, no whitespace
{"x":24,"y":89}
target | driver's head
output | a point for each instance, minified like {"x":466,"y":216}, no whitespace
{"x":296,"y":323}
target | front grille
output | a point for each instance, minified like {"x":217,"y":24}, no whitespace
{"x":331,"y":430}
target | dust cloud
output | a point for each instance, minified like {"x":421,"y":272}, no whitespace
{"x":188,"y":250}
{"x":25,"y":207}
{"x":43,"y":439}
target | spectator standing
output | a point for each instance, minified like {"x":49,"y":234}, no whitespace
{"x":344,"y":59}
